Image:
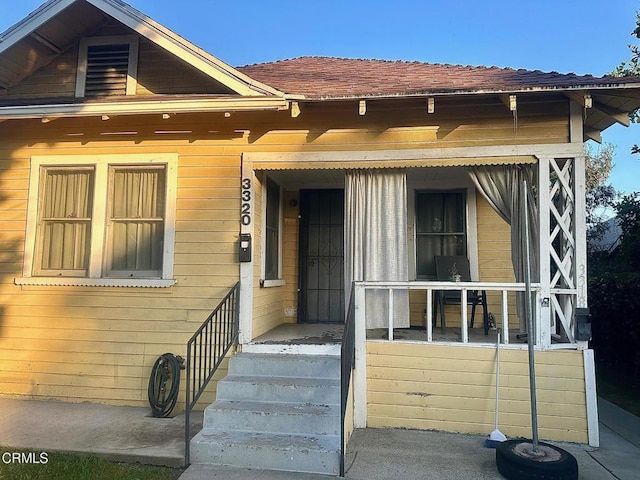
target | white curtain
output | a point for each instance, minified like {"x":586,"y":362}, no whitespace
{"x":376,"y":240}
{"x":501,"y":186}
{"x":66,"y":220}
{"x":137,"y":219}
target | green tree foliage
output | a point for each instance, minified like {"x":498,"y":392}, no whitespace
{"x":632,"y":68}
{"x":600,"y":195}
{"x":614,"y":277}
{"x":628,"y":214}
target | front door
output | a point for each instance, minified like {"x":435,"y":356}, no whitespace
{"x":321,"y":297}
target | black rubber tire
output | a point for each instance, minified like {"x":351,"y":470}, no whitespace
{"x":514,"y":466}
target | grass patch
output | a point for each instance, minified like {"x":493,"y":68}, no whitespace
{"x":62,"y":466}
{"x":620,"y":388}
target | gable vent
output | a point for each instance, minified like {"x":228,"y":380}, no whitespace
{"x":107,"y":69}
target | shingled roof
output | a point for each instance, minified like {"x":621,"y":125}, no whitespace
{"x":329,"y":77}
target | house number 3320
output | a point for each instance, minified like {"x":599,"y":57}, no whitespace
{"x":245,"y":209}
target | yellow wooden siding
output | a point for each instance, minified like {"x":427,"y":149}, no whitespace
{"x":494,"y":258}
{"x":290,"y":243}
{"x":162,"y":73}
{"x":55,"y":80}
{"x":452,"y":388}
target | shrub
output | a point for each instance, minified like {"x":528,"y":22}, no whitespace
{"x":615,"y":315}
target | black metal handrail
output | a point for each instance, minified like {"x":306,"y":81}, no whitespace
{"x":348,"y":354}
{"x":206,"y":350}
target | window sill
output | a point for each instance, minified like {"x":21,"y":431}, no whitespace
{"x":272,"y":283}
{"x":94,"y":282}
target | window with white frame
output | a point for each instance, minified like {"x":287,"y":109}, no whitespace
{"x":135,"y":221}
{"x":440,"y":228}
{"x":107,"y":66}
{"x":65,"y":213}
{"x":272,"y":239}
{"x":105,"y":219}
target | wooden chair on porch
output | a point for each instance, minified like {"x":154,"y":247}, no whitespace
{"x":456,"y":268}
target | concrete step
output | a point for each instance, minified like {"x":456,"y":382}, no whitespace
{"x":274,"y":412}
{"x":311,"y":366}
{"x":279,"y":389}
{"x":298,"y":418}
{"x":294,"y":453}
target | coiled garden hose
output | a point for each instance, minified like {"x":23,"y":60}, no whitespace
{"x":164,"y":384}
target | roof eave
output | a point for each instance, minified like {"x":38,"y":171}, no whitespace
{"x":146,"y":107}
{"x":453,"y":93}
{"x":32,"y":22}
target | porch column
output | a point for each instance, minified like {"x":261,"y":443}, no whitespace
{"x":563,"y":259}
{"x":360,"y":370}
{"x":581,"y":235}
{"x":544,"y":244}
{"x":247,"y":213}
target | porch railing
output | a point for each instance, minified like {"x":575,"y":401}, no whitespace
{"x":206,"y":350}
{"x":348,"y":353}
{"x":542,"y":331}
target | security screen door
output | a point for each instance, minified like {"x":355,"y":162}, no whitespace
{"x":321,"y":276}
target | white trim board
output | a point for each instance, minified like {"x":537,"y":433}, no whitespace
{"x":560,"y":150}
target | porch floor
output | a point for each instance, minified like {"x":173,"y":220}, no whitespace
{"x":299,"y":339}
{"x":302,"y":334}
{"x":331,"y":334}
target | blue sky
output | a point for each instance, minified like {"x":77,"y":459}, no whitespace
{"x":580,"y":36}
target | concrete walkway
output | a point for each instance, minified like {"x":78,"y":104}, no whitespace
{"x":131,"y":434}
{"x":128,"y":434}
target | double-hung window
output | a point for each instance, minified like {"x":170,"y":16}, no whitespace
{"x":135,"y":221}
{"x":106,"y":220}
{"x":440,"y":228}
{"x":64,"y":221}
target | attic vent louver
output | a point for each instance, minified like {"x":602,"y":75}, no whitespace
{"x":107,"y":68}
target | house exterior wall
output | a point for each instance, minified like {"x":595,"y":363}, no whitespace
{"x":452,"y":388}
{"x":98,"y":344}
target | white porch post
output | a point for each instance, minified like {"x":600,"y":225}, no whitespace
{"x":247,"y":219}
{"x":544,"y":317}
{"x":593,"y":428}
{"x":360,"y":371}
{"x":581,"y":237}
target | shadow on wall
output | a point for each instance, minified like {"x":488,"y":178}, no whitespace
{"x":11,"y":236}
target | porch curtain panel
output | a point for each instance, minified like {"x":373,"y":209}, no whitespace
{"x":376,"y":240}
{"x":501,"y":186}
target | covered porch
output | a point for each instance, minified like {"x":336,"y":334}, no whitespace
{"x":487,"y":238}
{"x":441,"y":377}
